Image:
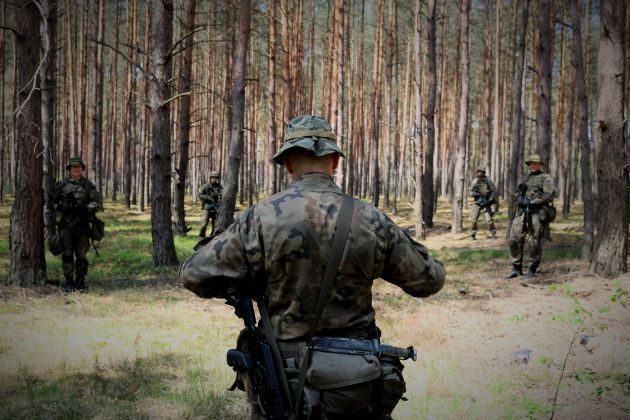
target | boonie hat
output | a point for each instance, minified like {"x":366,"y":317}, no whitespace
{"x":75,"y":161}
{"x":534,"y":159}
{"x":481,"y":170}
{"x":312,"y":133}
{"x":215,"y":174}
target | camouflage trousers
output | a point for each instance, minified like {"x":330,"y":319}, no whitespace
{"x":517,"y":241}
{"x":206,"y":216}
{"x":75,"y":247}
{"x":487,"y":215}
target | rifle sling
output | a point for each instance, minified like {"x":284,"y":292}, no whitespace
{"x":334,"y":258}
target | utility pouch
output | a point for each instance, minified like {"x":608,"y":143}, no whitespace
{"x":55,"y":245}
{"x":391,"y":387}
{"x":329,"y":370}
{"x":97,"y":232}
{"x":549,"y":212}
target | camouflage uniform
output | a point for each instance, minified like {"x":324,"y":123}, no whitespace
{"x":540,"y":192}
{"x":280,"y":247}
{"x":484,"y":189}
{"x":75,"y":203}
{"x":210,"y":196}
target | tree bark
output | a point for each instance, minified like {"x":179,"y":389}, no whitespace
{"x":610,"y":253}
{"x":97,"y":117}
{"x":161,"y":228}
{"x":417,"y":137}
{"x":28,"y":265}
{"x":544,"y":70}
{"x":184,"y":117}
{"x":226,"y":211}
{"x":376,"y":107}
{"x":272,"y":130}
{"x":460,"y":173}
{"x":428,"y":204}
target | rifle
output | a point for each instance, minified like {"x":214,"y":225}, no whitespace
{"x":256,"y":359}
{"x":527,"y":215}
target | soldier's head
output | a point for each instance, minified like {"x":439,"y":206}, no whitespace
{"x":214,"y":177}
{"x":76,"y":167}
{"x":481,"y":172}
{"x":535,"y":163}
{"x":309,"y":146}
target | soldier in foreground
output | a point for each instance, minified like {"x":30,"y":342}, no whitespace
{"x":280,"y":249}
{"x":210,"y":197}
{"x":483,"y":191}
{"x":75,"y":201}
{"x":533,"y":211}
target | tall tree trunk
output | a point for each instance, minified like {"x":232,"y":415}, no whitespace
{"x":28,"y":265}
{"x":460,"y":169}
{"x":97,"y":117}
{"x":516,"y":146}
{"x":272,"y":172}
{"x":47,"y":82}
{"x":417,"y":123}
{"x":161,"y":228}
{"x":3,"y":71}
{"x":610,"y":253}
{"x":428,"y":207}
{"x":376,"y":107}
{"x":544,"y":70}
{"x":496,"y":115}
{"x":583,"y":140}
{"x":184,"y":117}
{"x":226,"y":212}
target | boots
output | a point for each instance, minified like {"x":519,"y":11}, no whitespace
{"x":517,"y":270}
{"x":493,"y":234}
{"x":473,"y":236}
{"x":532,"y":272}
{"x":69,"y":286}
{"x":81,"y":287}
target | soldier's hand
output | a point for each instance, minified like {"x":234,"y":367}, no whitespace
{"x":523,"y":201}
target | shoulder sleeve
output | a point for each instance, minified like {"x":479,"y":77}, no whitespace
{"x":96,"y":200}
{"x":409,"y":265}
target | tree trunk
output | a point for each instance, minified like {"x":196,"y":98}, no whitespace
{"x":428,"y":207}
{"x":97,"y":117}
{"x":161,"y":228}
{"x":516,"y":146}
{"x":184,"y":117}
{"x":28,"y":265}
{"x":544,"y":70}
{"x":610,"y":251}
{"x":272,"y":131}
{"x":460,"y":173}
{"x":376,"y":107}
{"x":226,"y":211}
{"x":417,"y":123}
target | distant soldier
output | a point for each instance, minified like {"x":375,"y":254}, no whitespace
{"x":210,"y":197}
{"x":75,"y":201}
{"x":533,"y":211}
{"x":484,"y":193}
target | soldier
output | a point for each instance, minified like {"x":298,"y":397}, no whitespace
{"x":483,"y":191}
{"x":210,"y":196}
{"x":532,"y":212}
{"x":75,"y":201}
{"x":280,"y":246}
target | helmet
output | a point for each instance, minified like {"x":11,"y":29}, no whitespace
{"x":534,"y":159}
{"x":309,"y":132}
{"x":75,"y":160}
{"x":215,"y":174}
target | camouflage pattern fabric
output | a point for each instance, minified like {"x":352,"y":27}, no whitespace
{"x":281,"y":245}
{"x":488,"y":190}
{"x":75,"y":203}
{"x":540,"y":192}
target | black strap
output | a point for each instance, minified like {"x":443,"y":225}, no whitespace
{"x":336,"y":252}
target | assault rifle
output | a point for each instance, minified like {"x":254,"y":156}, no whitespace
{"x":255,"y":358}
{"x":524,"y":203}
{"x":481,"y":201}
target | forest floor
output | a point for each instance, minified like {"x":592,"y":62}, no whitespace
{"x":138,"y":345}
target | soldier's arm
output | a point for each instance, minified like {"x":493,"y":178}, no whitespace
{"x":473,"y":190}
{"x":96,"y":200}
{"x":409,"y":265}
{"x":493,"y":191}
{"x":221,"y":266}
{"x":547,"y":194}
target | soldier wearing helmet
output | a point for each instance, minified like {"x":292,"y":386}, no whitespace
{"x":210,"y":197}
{"x":75,"y":201}
{"x":484,"y":194}
{"x":534,"y":210}
{"x":280,"y":247}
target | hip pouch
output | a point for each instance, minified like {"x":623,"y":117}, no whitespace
{"x":391,"y":387}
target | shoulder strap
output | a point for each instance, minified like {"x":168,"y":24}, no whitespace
{"x":336,"y":252}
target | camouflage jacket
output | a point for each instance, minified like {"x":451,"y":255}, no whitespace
{"x":485,"y":187}
{"x":210,"y":196}
{"x":281,"y":246}
{"x":540,"y":188}
{"x":69,"y":192}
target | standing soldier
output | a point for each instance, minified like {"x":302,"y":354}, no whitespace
{"x":210,"y":196}
{"x":279,"y":249}
{"x":75,"y":201}
{"x":533,"y":211}
{"x":484,"y":193}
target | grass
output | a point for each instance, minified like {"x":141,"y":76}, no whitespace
{"x":140,"y":346}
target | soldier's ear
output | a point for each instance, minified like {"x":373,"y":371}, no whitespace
{"x":335,"y":161}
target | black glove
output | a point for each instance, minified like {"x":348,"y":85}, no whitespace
{"x":522,"y":201}
{"x":81,"y":210}
{"x":476,"y":195}
{"x":480,"y":202}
